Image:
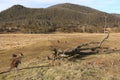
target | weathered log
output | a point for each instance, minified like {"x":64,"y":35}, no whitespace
{"x":83,"y":47}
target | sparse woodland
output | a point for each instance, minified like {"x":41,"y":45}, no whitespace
{"x":76,"y":18}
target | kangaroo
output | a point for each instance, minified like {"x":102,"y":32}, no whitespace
{"x":16,"y":60}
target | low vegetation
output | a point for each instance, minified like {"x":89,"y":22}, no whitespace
{"x":35,"y":66}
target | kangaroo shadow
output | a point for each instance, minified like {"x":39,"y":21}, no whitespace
{"x":32,"y":67}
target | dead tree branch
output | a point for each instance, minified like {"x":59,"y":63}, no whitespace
{"x":83,"y":48}
{"x":106,"y":37}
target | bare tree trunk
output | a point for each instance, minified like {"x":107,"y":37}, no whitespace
{"x":106,"y":37}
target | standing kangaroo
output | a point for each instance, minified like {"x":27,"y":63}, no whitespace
{"x":16,"y":60}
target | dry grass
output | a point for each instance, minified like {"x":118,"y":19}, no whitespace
{"x":37,"y":46}
{"x":8,"y":41}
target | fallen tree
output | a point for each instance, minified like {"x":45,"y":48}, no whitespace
{"x":81,"y":49}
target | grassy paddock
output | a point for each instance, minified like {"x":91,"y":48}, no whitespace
{"x":36,"y":47}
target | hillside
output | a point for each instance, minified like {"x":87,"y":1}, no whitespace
{"x":65,"y":17}
{"x":117,"y":15}
{"x":75,"y":8}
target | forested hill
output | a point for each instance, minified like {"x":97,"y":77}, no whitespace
{"x":65,"y":17}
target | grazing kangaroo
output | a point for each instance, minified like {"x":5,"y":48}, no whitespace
{"x":16,"y":60}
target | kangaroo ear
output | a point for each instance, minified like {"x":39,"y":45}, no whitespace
{"x":14,"y":55}
{"x":22,"y":54}
{"x":48,"y":58}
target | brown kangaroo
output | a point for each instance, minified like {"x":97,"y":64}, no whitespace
{"x":16,"y":60}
